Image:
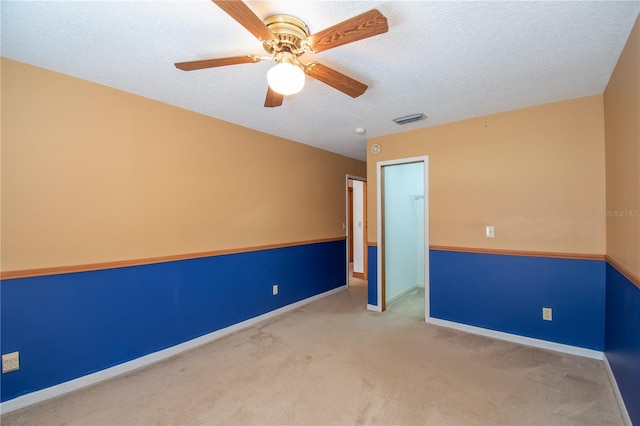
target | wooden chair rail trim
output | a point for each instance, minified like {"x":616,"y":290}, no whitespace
{"x":635,"y":279}
{"x":57,"y":270}
{"x":578,"y":256}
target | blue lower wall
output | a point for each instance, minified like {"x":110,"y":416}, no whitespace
{"x":67,"y":326}
{"x":622,"y":342}
{"x":507,"y":293}
{"x":372,"y":270}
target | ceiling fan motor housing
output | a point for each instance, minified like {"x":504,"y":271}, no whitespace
{"x":290,"y":32}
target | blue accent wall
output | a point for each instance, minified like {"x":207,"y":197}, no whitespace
{"x":372,"y":283}
{"x":70,"y":325}
{"x":507,"y":293}
{"x":622,"y":341}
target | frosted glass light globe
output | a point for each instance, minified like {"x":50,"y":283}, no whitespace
{"x":286,"y":78}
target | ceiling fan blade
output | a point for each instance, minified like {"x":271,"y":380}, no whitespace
{"x":239,"y":11}
{"x":359,"y":27}
{"x":274,"y":99}
{"x":335,"y":79}
{"x":220,"y":62}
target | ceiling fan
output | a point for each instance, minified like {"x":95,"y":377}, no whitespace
{"x":285,"y":39}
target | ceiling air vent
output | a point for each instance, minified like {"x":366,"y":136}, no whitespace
{"x":410,"y":118}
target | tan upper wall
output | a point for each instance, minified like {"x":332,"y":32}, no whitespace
{"x":536,"y":174}
{"x":91,"y":174}
{"x":622,"y":142}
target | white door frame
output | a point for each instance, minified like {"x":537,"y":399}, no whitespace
{"x":346,"y":229}
{"x":379,"y":165}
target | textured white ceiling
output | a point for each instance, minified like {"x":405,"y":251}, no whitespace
{"x":450,"y":60}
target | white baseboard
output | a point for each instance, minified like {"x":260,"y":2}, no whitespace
{"x":93,"y":378}
{"x":616,"y":390}
{"x":374,"y":308}
{"x":529,"y":341}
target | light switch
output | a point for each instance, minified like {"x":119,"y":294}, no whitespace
{"x":489,"y":233}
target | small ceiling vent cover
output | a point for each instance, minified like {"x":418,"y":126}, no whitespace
{"x":410,"y":118}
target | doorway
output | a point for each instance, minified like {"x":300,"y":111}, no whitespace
{"x":356,"y":226}
{"x":403,"y":237}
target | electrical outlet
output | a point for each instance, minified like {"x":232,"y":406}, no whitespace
{"x":275,"y":289}
{"x":10,"y":362}
{"x":547,"y":314}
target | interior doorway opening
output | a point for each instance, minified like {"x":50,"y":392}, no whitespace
{"x":356,"y":226}
{"x":403,"y":259}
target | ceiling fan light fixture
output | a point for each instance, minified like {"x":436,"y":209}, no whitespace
{"x":286,"y":78}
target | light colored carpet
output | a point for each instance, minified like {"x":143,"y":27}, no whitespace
{"x":333,"y":362}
